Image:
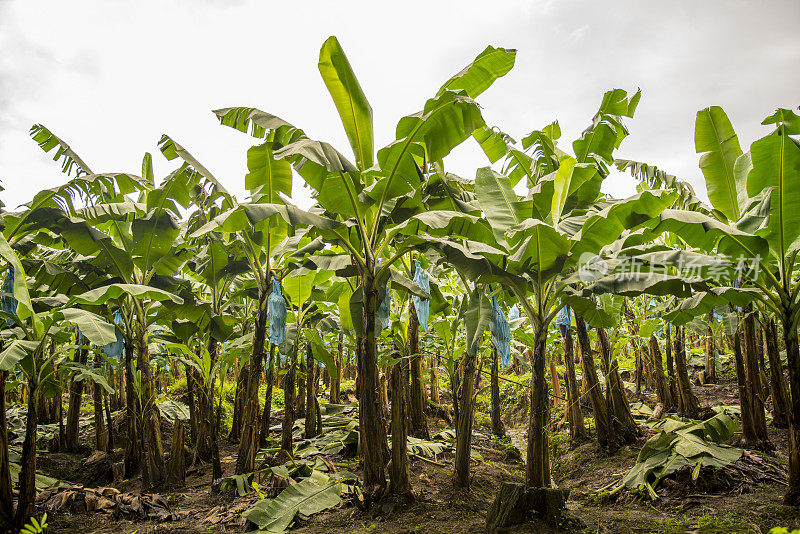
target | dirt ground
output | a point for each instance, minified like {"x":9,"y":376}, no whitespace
{"x":440,"y":508}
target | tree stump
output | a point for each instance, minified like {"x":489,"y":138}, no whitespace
{"x":515,"y":504}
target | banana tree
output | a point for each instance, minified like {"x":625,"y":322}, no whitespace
{"x":367,"y":198}
{"x":27,"y":348}
{"x":559,"y":224}
{"x":763,"y":243}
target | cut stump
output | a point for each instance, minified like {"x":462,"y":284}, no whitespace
{"x":515,"y":504}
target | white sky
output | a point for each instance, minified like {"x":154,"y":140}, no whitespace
{"x":110,"y":77}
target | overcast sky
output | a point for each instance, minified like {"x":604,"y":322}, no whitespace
{"x":110,"y":77}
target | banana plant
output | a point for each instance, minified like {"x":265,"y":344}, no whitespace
{"x":26,"y":346}
{"x":365,"y":199}
{"x":560,"y":223}
{"x":755,"y":190}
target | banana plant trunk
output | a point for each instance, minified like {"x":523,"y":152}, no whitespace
{"x":711,"y":353}
{"x":133,"y":449}
{"x":238,"y":403}
{"x":497,"y":422}
{"x":577,"y":428}
{"x":687,"y":401}
{"x":673,"y":390}
{"x":74,"y":409}
{"x":371,"y":422}
{"x":755,"y":433}
{"x":663,"y":392}
{"x":336,"y":379}
{"x":190,"y":397}
{"x":464,"y":418}
{"x":6,"y":502}
{"x":419,"y":426}
{"x":27,"y":474}
{"x":154,"y":471}
{"x":627,"y":427}
{"x":591,"y":386}
{"x":248,"y":446}
{"x":399,"y":482}
{"x":267,"y":413}
{"x":778,"y":387}
{"x":537,"y":468}
{"x":288,"y":404}
{"x":100,"y":434}
{"x":792,"y":496}
{"x":311,"y":405}
{"x":205,"y":432}
{"x":435,"y":381}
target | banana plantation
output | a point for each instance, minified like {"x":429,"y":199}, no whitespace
{"x":508,"y":351}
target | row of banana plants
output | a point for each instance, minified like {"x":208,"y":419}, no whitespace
{"x":224,"y":287}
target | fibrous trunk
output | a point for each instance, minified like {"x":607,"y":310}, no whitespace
{"x":100,"y":434}
{"x":248,"y":446}
{"x":371,"y":421}
{"x":419,"y":426}
{"x":687,"y":401}
{"x":792,"y":496}
{"x":464,"y":417}
{"x":399,"y":483}
{"x":6,"y":509}
{"x":154,"y":471}
{"x":591,"y":386}
{"x":537,"y":468}
{"x":497,"y":422}
{"x":205,"y":431}
{"x":311,"y":379}
{"x":711,"y":353}
{"x":778,"y":387}
{"x":267,"y":413}
{"x":620,"y":409}
{"x":577,"y":428}
{"x":27,"y":474}
{"x":663,"y":392}
{"x":132,"y":410}
{"x":754,"y":431}
{"x":74,"y":409}
{"x":288,"y":405}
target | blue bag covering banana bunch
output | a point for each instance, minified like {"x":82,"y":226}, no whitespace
{"x":562,"y":319}
{"x":7,"y":302}
{"x":276,"y":313}
{"x":422,"y":306}
{"x":114,"y":350}
{"x":513,"y":313}
{"x":384,"y":307}
{"x":501,"y":333}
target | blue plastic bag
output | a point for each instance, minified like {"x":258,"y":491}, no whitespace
{"x":384,"y":307}
{"x":114,"y":349}
{"x":513,"y":313}
{"x":276,"y":313}
{"x":7,"y":302}
{"x":422,"y":306}
{"x":562,"y":319}
{"x":501,"y":333}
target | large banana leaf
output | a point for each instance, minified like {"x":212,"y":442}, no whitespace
{"x":477,"y":317}
{"x":776,"y":166}
{"x":497,"y":199}
{"x":101,"y":295}
{"x":307,"y":497}
{"x":351,"y":103}
{"x":699,"y":304}
{"x":716,"y":139}
{"x":92,"y":326}
{"x":479,"y":75}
